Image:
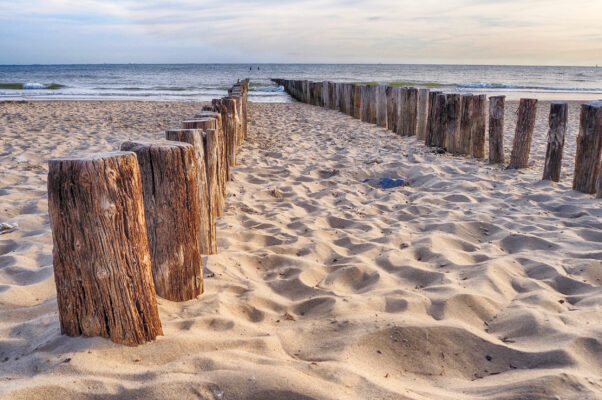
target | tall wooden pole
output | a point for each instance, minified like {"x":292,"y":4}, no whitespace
{"x":496,"y":129}
{"x":557,"y":122}
{"x":422,"y":113}
{"x":589,"y":143}
{"x":519,"y":158}
{"x":479,"y":121}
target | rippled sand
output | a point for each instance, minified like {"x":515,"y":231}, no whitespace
{"x":471,"y":282}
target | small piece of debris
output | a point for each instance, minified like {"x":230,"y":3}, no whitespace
{"x":289,"y":317}
{"x":277,"y":194}
{"x":488,"y":357}
{"x":7,"y":228}
{"x":387,"y":375}
{"x":66,"y":360}
{"x":561,"y":301}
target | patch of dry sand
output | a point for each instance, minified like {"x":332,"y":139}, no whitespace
{"x":473,"y":282}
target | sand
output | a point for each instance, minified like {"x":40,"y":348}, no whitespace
{"x":473,"y":282}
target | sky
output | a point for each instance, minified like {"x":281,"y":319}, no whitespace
{"x":523,"y":32}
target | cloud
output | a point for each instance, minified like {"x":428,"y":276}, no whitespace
{"x":395,"y":31}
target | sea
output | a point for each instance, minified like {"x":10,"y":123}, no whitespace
{"x":201,"y":82}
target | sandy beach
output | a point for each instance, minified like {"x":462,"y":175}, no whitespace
{"x":471,"y":282}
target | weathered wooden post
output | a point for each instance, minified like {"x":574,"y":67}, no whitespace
{"x":349,"y":99}
{"x":170,"y":190}
{"x":557,"y":123}
{"x":207,"y":229}
{"x":422,"y":113}
{"x":496,"y":129}
{"x":452,"y":125}
{"x":599,"y":185}
{"x":373,"y":104}
{"x":102,"y":267}
{"x":412,"y":110}
{"x":212,"y":112}
{"x":589,"y":144}
{"x":391,"y":109}
{"x":332,"y":92}
{"x":519,"y":158}
{"x":212,"y":160}
{"x":437,"y":120}
{"x":477,"y":132}
{"x":464,"y":138}
{"x":326,"y":94}
{"x":357,"y":101}
{"x":365,"y":103}
{"x":381,"y":101}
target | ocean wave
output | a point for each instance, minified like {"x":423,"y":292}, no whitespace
{"x":505,"y":86}
{"x":31,"y":86}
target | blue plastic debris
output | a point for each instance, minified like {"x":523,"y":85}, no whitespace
{"x":385,"y":183}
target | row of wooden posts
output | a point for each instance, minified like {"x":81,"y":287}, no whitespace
{"x":456,"y":123}
{"x":133,"y":224}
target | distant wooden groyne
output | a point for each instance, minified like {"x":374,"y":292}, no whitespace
{"x":456,"y":123}
{"x":135,"y":223}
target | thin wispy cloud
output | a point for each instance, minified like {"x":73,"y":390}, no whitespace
{"x":402,"y":31}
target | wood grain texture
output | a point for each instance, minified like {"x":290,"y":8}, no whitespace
{"x":453,"y":114}
{"x":521,"y":146}
{"x":207,"y":239}
{"x":422,"y":114}
{"x":479,"y":126}
{"x":464,"y":138}
{"x":496,"y":129}
{"x":357,"y":101}
{"x":589,"y":142}
{"x":432,"y":139}
{"x":170,"y":190}
{"x":102,"y":266}
{"x":557,"y":123}
{"x":214,"y":165}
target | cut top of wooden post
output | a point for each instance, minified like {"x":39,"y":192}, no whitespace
{"x":102,"y":267}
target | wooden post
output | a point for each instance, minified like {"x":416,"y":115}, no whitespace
{"x":557,"y":122}
{"x":589,"y":143}
{"x":464,"y":139}
{"x":365,"y":103}
{"x":519,"y":158}
{"x":170,"y":190}
{"x":332,"y":92}
{"x":402,"y":128}
{"x":437,"y":120}
{"x":348,"y":89}
{"x":409,"y":111}
{"x":599,"y":185}
{"x":212,"y":144}
{"x":207,"y":229}
{"x":326,"y":94}
{"x":422,"y":113}
{"x":391,"y":109}
{"x":357,"y":101}
{"x":102,"y":267}
{"x":452,"y":125}
{"x":477,"y":132}
{"x":381,"y":105}
{"x":496,"y":129}
{"x":398,"y":93}
{"x":373,"y":104}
